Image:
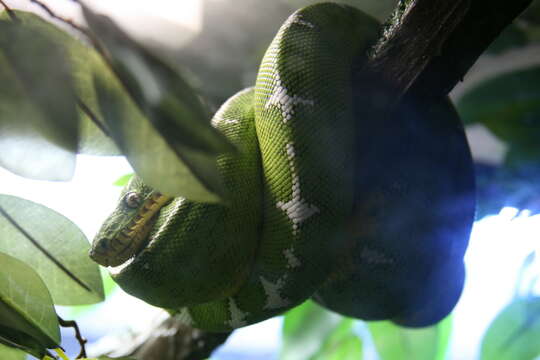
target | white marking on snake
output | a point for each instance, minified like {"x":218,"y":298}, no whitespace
{"x":237,"y":316}
{"x":283,"y":101}
{"x":299,"y":21}
{"x":219,"y":116}
{"x":273,"y":296}
{"x":297,"y":209}
{"x":292,"y":260}
{"x":185,"y":317}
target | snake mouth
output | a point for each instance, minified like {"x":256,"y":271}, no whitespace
{"x":133,"y":238}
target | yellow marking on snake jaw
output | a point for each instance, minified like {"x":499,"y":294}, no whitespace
{"x":129,"y":241}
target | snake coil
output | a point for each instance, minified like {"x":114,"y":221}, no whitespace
{"x":369,"y":218}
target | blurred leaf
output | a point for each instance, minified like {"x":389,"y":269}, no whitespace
{"x":532,"y":13}
{"x":512,"y":37}
{"x":123,"y":180}
{"x":84,"y":61}
{"x":27,"y":316}
{"x":9,"y":353}
{"x":396,"y":342}
{"x":305,"y":328}
{"x":515,"y":332}
{"x":153,"y":160}
{"x":341,"y":344}
{"x":508,"y":105}
{"x":171,"y":105}
{"x":38,"y":117}
{"x":61,"y":238}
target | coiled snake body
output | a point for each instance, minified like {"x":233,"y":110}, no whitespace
{"x":291,"y":229}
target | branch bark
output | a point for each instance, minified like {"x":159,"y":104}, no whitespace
{"x":165,"y":339}
{"x":429,"y":45}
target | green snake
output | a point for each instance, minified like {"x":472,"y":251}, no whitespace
{"x":291,"y":228}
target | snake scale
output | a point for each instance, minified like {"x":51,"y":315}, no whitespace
{"x":369,"y":218}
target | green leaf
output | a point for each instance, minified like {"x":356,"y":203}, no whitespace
{"x":341,"y":344}
{"x":396,"y":342}
{"x":173,"y":108}
{"x":512,"y":37}
{"x":148,"y":153}
{"x":9,"y":353}
{"x":61,"y":238}
{"x":27,"y":316}
{"x":515,"y":332}
{"x":38,"y":116}
{"x":305,"y":328}
{"x":123,"y":180}
{"x":508,"y":105}
{"x":84,"y":61}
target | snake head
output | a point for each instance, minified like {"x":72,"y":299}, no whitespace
{"x":125,"y":232}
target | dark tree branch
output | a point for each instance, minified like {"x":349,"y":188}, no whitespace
{"x":82,"y":341}
{"x":10,"y":12}
{"x":170,"y":339}
{"x":429,"y":45}
{"x":413,"y":39}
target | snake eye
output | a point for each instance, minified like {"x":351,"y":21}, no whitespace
{"x":132,"y":200}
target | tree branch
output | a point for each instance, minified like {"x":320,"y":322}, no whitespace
{"x":82,"y":341}
{"x":167,"y":339}
{"x":429,"y":45}
{"x":10,"y":12}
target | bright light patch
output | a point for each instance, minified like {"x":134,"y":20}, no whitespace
{"x":187,"y":13}
{"x":497,"y":250}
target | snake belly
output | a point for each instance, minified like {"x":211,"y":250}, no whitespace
{"x":225,"y":266}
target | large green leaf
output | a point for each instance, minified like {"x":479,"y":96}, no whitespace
{"x":148,"y":153}
{"x":84,"y":61}
{"x":9,"y":353}
{"x":509,"y":105}
{"x":341,"y":344}
{"x":169,"y":103}
{"x":395,"y":342}
{"x":38,"y":116}
{"x":61,"y":238}
{"x":515,"y":332}
{"x":305,"y":329}
{"x":27,"y":316}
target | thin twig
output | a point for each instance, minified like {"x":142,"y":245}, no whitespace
{"x":87,"y":33}
{"x":69,"y":22}
{"x":43,"y":250}
{"x":82,"y":341}
{"x":10,"y":12}
{"x":92,"y":116}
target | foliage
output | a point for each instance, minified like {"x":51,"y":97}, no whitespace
{"x":514,"y":333}
{"x":126,"y":99}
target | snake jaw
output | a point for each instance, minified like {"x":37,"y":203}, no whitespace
{"x":117,"y":246}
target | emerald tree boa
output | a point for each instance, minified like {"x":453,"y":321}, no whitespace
{"x":370,"y":217}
